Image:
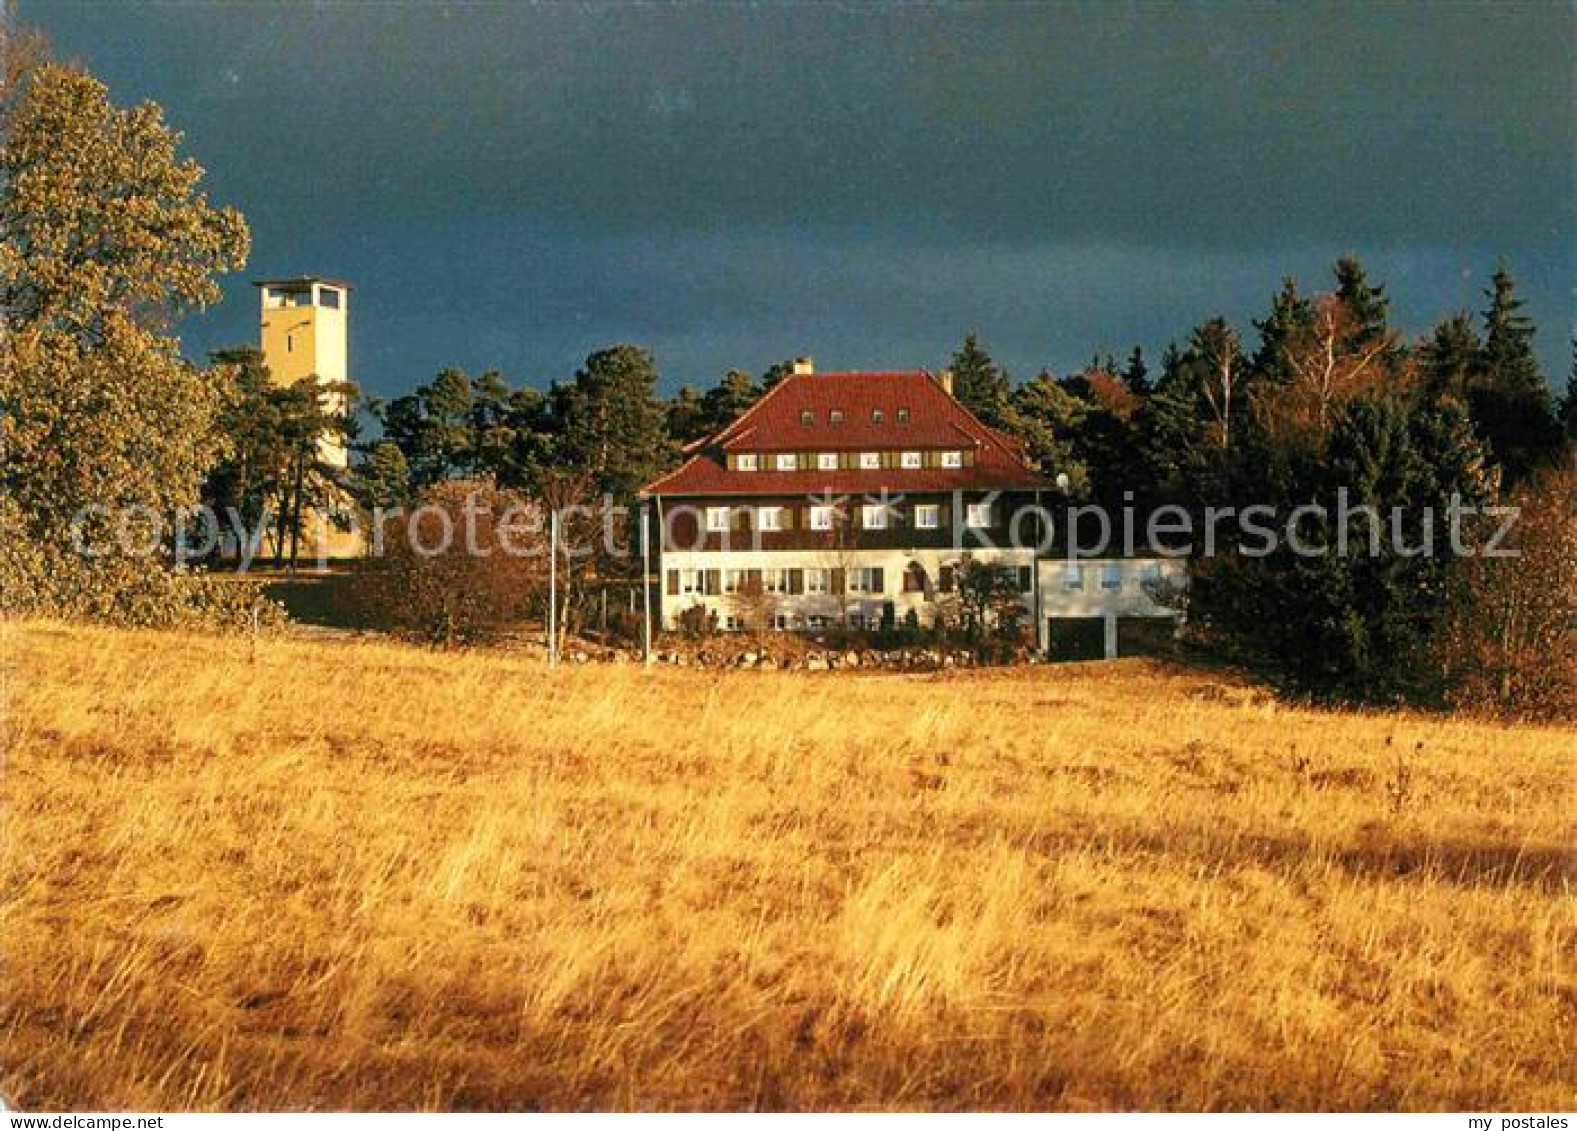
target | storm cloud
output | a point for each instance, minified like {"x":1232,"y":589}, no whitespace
{"x":514,"y":186}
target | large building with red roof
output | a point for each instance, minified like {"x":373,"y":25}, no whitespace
{"x":849,"y":499}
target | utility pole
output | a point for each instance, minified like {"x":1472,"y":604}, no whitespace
{"x":553,"y":589}
{"x":646,"y":584}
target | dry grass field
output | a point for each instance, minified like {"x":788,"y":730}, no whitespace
{"x":338,"y":875}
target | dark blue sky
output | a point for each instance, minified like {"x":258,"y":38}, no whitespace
{"x":514,"y":186}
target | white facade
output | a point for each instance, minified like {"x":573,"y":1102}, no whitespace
{"x":1109,"y":589}
{"x":856,"y":607}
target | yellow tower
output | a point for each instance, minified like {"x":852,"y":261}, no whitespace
{"x":304,"y":338}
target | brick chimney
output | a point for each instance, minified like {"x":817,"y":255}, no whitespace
{"x":945,"y":379}
{"x":804,"y":366}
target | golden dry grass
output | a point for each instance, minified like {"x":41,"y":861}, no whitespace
{"x":365,"y":875}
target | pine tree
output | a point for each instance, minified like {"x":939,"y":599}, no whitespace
{"x":433,"y":427}
{"x":980,"y":384}
{"x":1290,"y":316}
{"x":687,"y":418}
{"x":1568,"y":411}
{"x":1510,"y":402}
{"x":609,"y":423}
{"x":1136,"y":374}
{"x":775,"y":373}
{"x":383,"y":479}
{"x":1450,"y":359}
{"x":1169,"y":441}
{"x":1047,"y":418}
{"x":726,"y":401}
{"x":1367,"y":306}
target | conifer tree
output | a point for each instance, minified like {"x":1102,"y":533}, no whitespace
{"x":1136,"y":374}
{"x":686,"y":415}
{"x":1047,"y":418}
{"x":1290,"y":317}
{"x":726,"y":401}
{"x":1511,"y":404}
{"x":1450,"y":359}
{"x":608,"y":422}
{"x":1367,"y":308}
{"x":980,"y":384}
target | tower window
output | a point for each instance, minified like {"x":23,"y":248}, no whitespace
{"x":290,"y":343}
{"x":329,"y":297}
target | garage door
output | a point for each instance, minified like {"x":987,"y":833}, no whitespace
{"x":1076,"y":638}
{"x":1144,"y":636}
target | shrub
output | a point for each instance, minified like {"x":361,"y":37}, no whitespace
{"x":465,"y":564}
{"x":697,"y":621}
{"x":1508,"y":642}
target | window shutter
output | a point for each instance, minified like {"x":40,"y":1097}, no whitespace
{"x":673,"y":583}
{"x":714,"y":582}
{"x":878,"y":580}
{"x":752,"y":581}
{"x":796,"y":580}
{"x":788,"y":517}
{"x":837,"y":582}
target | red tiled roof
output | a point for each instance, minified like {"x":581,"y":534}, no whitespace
{"x":776,"y":423}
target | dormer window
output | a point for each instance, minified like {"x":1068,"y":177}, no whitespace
{"x":747,"y":462}
{"x":835,"y":416}
{"x":903,"y":416}
{"x":877,"y":416}
{"x":807,"y":417}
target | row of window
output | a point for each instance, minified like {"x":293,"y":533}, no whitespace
{"x":816,"y":582}
{"x":873,"y":516}
{"x":733,"y":622}
{"x":809,"y":582}
{"x":783,"y":622}
{"x":807,"y":416}
{"x":868,"y":580}
{"x":1111,"y":575}
{"x":834,"y":461}
{"x":278,"y":297}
